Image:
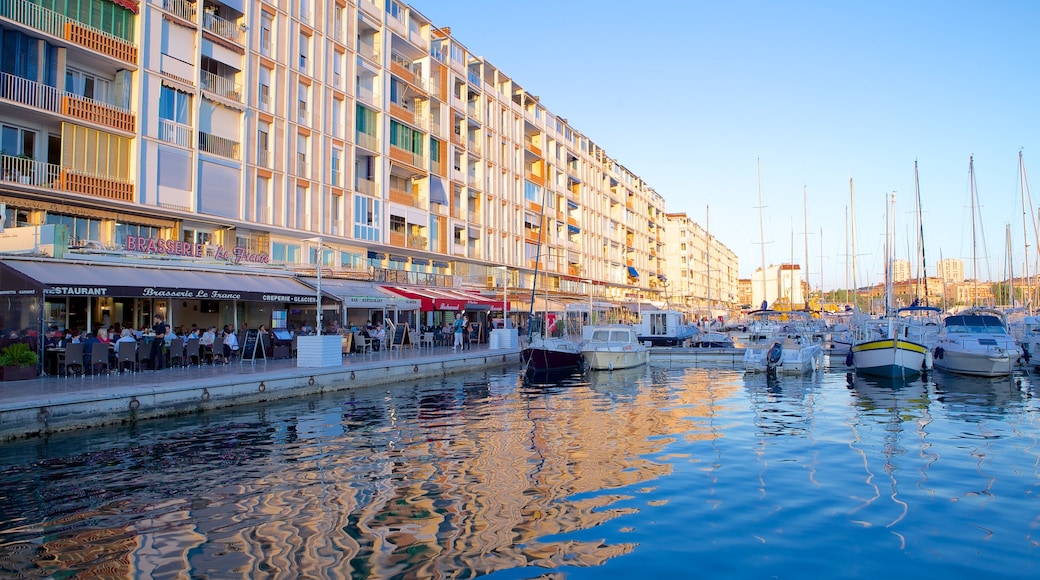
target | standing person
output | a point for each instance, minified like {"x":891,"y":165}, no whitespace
{"x":159,"y":330}
{"x":465,"y":331}
{"x":457,"y":330}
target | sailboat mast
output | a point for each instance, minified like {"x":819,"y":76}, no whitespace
{"x":761,"y":229}
{"x":1010,"y":265}
{"x":974,"y":251}
{"x":537,"y":261}
{"x":805,"y":224}
{"x":890,"y":238}
{"x":707,"y":240}
{"x":823,"y":296}
{"x":852,"y":221}
{"x":1024,"y":192}
{"x":923,"y":272}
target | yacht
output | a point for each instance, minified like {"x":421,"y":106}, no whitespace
{"x":613,"y":346}
{"x":976,"y":342}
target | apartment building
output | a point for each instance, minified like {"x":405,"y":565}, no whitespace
{"x":275,"y":137}
{"x":701,"y":271}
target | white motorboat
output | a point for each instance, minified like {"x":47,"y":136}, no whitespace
{"x":613,"y":346}
{"x":664,"y":328}
{"x":976,"y":342}
{"x":781,"y":342}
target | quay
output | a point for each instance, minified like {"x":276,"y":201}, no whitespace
{"x":52,"y":404}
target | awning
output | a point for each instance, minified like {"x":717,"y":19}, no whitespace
{"x":438,"y":194}
{"x":356,"y":294}
{"x":133,"y":281}
{"x":541,"y":305}
{"x":446,"y":299}
{"x":632,"y":272}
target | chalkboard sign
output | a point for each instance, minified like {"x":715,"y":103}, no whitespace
{"x":252,"y":345}
{"x":400,"y":336}
{"x":475,"y":332}
{"x":348,"y":342}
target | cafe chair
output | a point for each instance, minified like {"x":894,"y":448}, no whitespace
{"x":427,"y":340}
{"x":99,"y":358}
{"x":362,"y":343}
{"x":144,"y":355}
{"x":71,"y":361}
{"x":218,"y":350}
{"x":192,"y":352}
{"x":126,"y":354}
{"x":177,"y":351}
{"x":413,"y":339}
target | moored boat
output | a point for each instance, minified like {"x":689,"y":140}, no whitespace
{"x":664,"y":328}
{"x":976,"y":342}
{"x":612,"y":346}
{"x":551,"y":355}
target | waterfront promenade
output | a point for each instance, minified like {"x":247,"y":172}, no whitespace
{"x":51,"y":404}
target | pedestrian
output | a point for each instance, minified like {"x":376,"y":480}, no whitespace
{"x":159,"y":330}
{"x":457,"y":330}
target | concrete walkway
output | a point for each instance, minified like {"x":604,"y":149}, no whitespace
{"x":50,"y":404}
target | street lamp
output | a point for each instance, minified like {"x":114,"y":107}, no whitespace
{"x":505,"y":295}
{"x":317,"y":262}
{"x":588,"y":291}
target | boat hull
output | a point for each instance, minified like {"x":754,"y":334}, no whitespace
{"x":613,"y":359}
{"x":552,"y":355}
{"x":889,"y":358}
{"x":975,"y":363}
{"x":795,"y":358}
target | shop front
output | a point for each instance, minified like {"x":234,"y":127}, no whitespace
{"x":364,"y":302}
{"x":439,"y":306}
{"x":85,"y":295}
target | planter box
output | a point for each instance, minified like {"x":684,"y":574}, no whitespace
{"x":325,"y":350}
{"x":17,"y":373}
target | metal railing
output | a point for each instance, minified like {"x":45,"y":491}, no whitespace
{"x":221,"y":27}
{"x":174,"y":132}
{"x":218,"y":145}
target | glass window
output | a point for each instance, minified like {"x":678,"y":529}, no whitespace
{"x":174,"y":105}
{"x":366,"y":218}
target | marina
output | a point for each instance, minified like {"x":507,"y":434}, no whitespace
{"x":590,"y":476}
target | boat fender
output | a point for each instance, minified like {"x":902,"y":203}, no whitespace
{"x":848,"y":358}
{"x":938,"y":353}
{"x":775,"y":354}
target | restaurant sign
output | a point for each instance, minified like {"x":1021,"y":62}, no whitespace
{"x":177,"y":293}
{"x":162,"y":247}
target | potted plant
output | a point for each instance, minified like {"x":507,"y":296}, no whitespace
{"x":18,"y":362}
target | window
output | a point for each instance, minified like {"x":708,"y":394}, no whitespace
{"x":88,"y":86}
{"x":337,"y":69}
{"x":404,"y":137}
{"x":302,"y":202}
{"x":397,"y":224}
{"x":303,"y":94}
{"x":285,"y":253}
{"x":174,"y":105}
{"x":532,"y":192}
{"x":305,"y":48}
{"x":15,"y":141}
{"x":302,"y":148}
{"x":337,"y":117}
{"x":336,"y":164}
{"x":263,"y":186}
{"x":394,"y":10}
{"x":266,"y":38}
{"x":366,"y":218}
{"x":366,"y":121}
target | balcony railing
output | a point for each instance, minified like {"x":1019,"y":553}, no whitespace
{"x":221,"y":27}
{"x":263,"y":158}
{"x":180,"y":8}
{"x":173,"y":132}
{"x":222,"y":86}
{"x":216,"y":145}
{"x":40,"y":96}
{"x":35,"y":16}
{"x":365,"y":186}
{"x":370,"y":142}
{"x":404,"y":156}
{"x":22,"y":171}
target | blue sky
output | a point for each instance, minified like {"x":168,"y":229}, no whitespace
{"x":690,"y":96}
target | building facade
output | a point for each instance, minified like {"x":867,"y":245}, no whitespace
{"x":779,"y":286}
{"x":701,"y":271}
{"x":950,"y":270}
{"x":355,"y":136}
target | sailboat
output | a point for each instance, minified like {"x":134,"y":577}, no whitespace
{"x":976,"y":341}
{"x":889,"y":354}
{"x":545,"y":353}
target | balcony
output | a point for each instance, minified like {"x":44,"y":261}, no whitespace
{"x":416,"y":160}
{"x":176,"y":133}
{"x":400,"y":70}
{"x":180,"y":8}
{"x":48,"y":21}
{"x":222,"y":28}
{"x":263,"y":158}
{"x":406,"y":115}
{"x":370,"y":142}
{"x":404,"y":197}
{"x":368,"y":51}
{"x":417,"y":242}
{"x":221,"y":146}
{"x":222,"y":86}
{"x":28,"y":172}
{"x":365,"y":186}
{"x":40,"y":96}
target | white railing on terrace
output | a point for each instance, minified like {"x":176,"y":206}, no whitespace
{"x":365,"y":186}
{"x":49,"y":21}
{"x":367,"y":141}
{"x":40,"y":96}
{"x":173,"y":132}
{"x":180,"y":8}
{"x":367,"y":95}
{"x":220,"y":85}
{"x":29,"y":172}
{"x":222,"y":28}
{"x":218,"y":145}
{"x":368,"y":51}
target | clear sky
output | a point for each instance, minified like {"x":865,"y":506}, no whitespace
{"x":692,"y":95}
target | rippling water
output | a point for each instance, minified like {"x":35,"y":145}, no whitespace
{"x":654,"y":472}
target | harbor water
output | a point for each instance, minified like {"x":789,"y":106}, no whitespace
{"x":662,"y":471}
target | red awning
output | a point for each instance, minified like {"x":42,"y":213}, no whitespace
{"x":445,"y":299}
{"x":131,"y":5}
